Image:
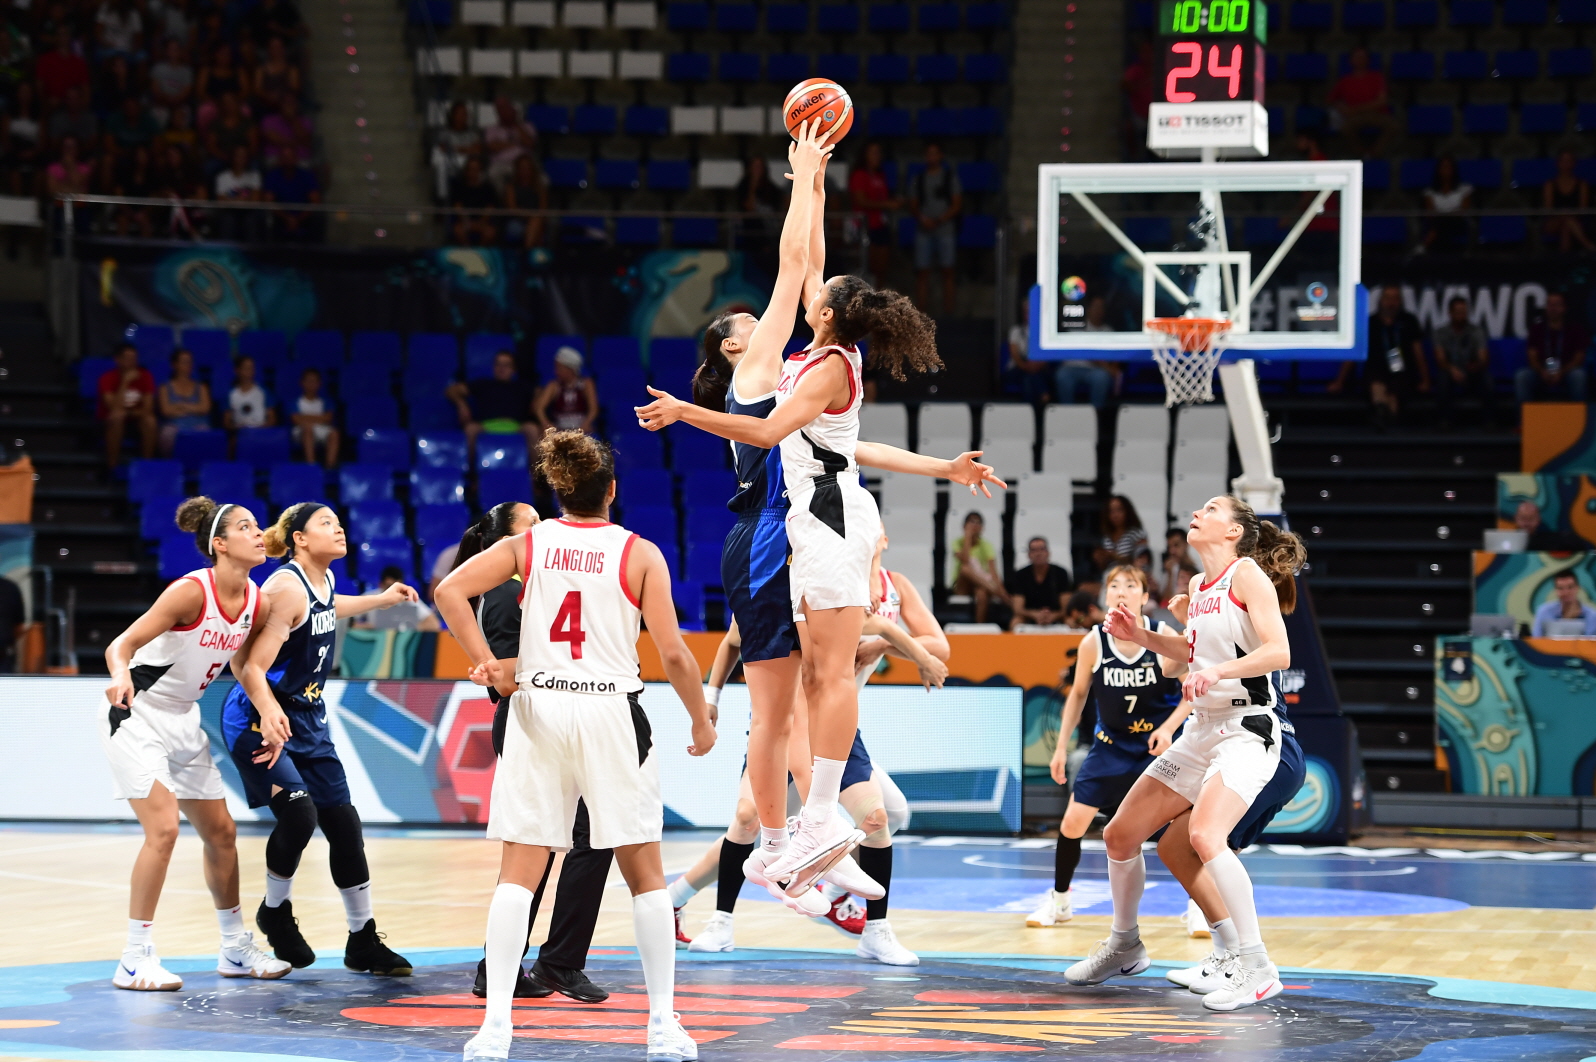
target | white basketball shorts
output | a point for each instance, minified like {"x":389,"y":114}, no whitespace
{"x":1243,"y":750}
{"x":833,"y":528}
{"x":559,"y":747}
{"x":150,"y":744}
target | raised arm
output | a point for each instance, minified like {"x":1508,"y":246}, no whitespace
{"x":823,"y":387}
{"x":815,"y":273}
{"x":360,"y":604}
{"x":964,"y":469}
{"x":933,"y":672}
{"x":650,"y":581}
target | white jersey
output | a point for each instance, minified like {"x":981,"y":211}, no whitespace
{"x":826,"y":444}
{"x":1218,"y":629}
{"x":579,"y":621}
{"x":173,"y":669}
{"x":891,"y":610}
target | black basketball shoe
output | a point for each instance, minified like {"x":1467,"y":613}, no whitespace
{"x":282,"y":933}
{"x":525,"y":987}
{"x":366,"y":952}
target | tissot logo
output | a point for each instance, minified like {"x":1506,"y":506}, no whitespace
{"x":1202,"y":121}
{"x":542,"y":680}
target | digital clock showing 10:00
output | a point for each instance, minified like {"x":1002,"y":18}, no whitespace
{"x":1186,"y":18}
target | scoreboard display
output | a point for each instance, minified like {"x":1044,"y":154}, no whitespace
{"x":1213,"y":51}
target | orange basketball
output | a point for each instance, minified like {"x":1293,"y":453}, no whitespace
{"x":819,"y":98}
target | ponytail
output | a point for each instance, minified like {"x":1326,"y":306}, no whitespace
{"x":493,"y":527}
{"x":899,"y":334}
{"x":1278,"y":552}
{"x":713,"y":379}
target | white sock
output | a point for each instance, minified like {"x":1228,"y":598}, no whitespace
{"x":506,"y":937}
{"x":1127,"y":879}
{"x":653,"y":927}
{"x":824,"y":787}
{"x":1235,"y":888}
{"x":139,"y":933}
{"x":357,"y":905}
{"x":680,"y":891}
{"x":773,"y":839}
{"x":231,"y":919}
{"x":1225,"y":938}
{"x":278,"y":889}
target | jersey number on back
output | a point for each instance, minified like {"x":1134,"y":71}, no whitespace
{"x":567,"y":626}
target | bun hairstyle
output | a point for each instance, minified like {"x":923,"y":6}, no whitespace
{"x":1139,"y":574}
{"x":1279,"y":553}
{"x":198,"y":516}
{"x":713,"y":378}
{"x":579,"y":467}
{"x":900,"y":335}
{"x":280,"y":536}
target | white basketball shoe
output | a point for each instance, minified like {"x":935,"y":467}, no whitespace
{"x":140,"y":970}
{"x":1054,"y":910}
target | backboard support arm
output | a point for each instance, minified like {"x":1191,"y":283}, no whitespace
{"x":1257,"y":485}
{"x":1289,"y":242}
{"x":1130,"y":247}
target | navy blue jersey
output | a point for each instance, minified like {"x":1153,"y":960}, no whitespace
{"x":759,"y":479}
{"x":1132,"y":697}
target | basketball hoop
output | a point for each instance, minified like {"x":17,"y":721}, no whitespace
{"x":1187,"y":351}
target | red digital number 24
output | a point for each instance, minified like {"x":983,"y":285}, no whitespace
{"x":567,"y":626}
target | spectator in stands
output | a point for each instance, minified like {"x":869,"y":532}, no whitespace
{"x":1395,"y":369}
{"x":239,"y":183}
{"x":527,"y":189}
{"x":184,"y":402}
{"x":1124,"y":539}
{"x":67,"y":175}
{"x":289,"y":183}
{"x":471,"y":192}
{"x":1567,"y":191}
{"x":114,"y":81}
{"x":119,"y":31}
{"x":1032,"y":378}
{"x":276,"y":80}
{"x":973,"y":571}
{"x":1360,"y":104}
{"x":1462,"y":362}
{"x":1075,"y":378}
{"x":568,"y":400}
{"x":247,"y":403}
{"x":453,"y":145}
{"x":178,"y":175}
{"x":19,"y":142}
{"x":498,"y":405}
{"x":1082,"y":612}
{"x":76,"y":121}
{"x":60,"y":70}
{"x":131,"y":126}
{"x":216,"y":79}
{"x":127,"y":393}
{"x":169,"y":19}
{"x":1538,"y":537}
{"x":1180,"y":564}
{"x":288,"y":128}
{"x":1565,"y":615}
{"x":171,"y":82}
{"x":1444,"y":231}
{"x":1556,"y":354}
{"x":404,"y":616}
{"x":229,"y":131}
{"x":312,"y":416}
{"x":136,"y":180}
{"x":935,"y":199}
{"x":869,"y":193}
{"x":1037,"y":593}
{"x":275,"y":19}
{"x":179,"y":133}
{"x":14,"y":56}
{"x":508,"y":140}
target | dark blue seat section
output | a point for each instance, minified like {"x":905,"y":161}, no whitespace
{"x":157,"y":515}
{"x":614,"y":352}
{"x":288,"y":483}
{"x":385,"y":446}
{"x":262,"y":446}
{"x":709,"y":524}
{"x":657,"y":523}
{"x":361,"y":482}
{"x":645,"y":488}
{"x":375,"y":555}
{"x":436,"y":486}
{"x":228,"y":481}
{"x":638,"y":450}
{"x":375,"y":519}
{"x":498,"y":485}
{"x":320,"y":348}
{"x":178,"y":555}
{"x":692,"y":449}
{"x":193,"y":448}
{"x":155,"y":479}
{"x":440,"y":525}
{"x":501,"y":451}
{"x":703,"y":562}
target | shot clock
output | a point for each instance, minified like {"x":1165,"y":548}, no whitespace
{"x":1210,"y":86}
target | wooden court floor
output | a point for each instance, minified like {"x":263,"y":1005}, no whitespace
{"x":66,"y":897}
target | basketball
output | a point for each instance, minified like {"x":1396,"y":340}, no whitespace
{"x":818,"y":97}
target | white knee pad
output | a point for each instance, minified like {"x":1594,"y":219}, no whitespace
{"x":892,"y":799}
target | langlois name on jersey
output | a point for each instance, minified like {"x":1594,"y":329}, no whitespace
{"x":323,"y":622}
{"x":1130,"y":676}
{"x":543,"y":680}
{"x":573,"y":560}
{"x":227,"y":643}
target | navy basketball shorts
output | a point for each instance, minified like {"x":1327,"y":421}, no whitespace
{"x":309,"y":762}
{"x":753,"y":571}
{"x":1276,"y":794}
{"x":1108,"y":772}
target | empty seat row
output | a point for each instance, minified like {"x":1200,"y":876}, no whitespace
{"x":1519,"y":64}
{"x":731,"y":18}
{"x":782,"y":68}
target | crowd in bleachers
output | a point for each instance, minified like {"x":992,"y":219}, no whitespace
{"x":1453,"y":106}
{"x":189,"y":99}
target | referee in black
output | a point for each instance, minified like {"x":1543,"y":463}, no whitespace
{"x":560,"y":961}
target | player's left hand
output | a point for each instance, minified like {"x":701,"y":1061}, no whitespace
{"x":487,"y":673}
{"x":1158,"y":741}
{"x":704,"y":738}
{"x":870,"y":650}
{"x":1178,"y":606}
{"x":1197,"y":683}
{"x":933,"y":672}
{"x":971,"y":473}
{"x":396,"y":593}
{"x":267,"y":754}
{"x":1122,"y":623}
{"x":665,"y":410}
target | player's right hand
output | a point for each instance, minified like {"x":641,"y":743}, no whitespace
{"x":808,"y":151}
{"x":1055,"y":766}
{"x":274,"y":728}
{"x":267,"y":755}
{"x":1122,"y":623}
{"x":1178,"y":606}
{"x":704,"y":738}
{"x":487,"y":673}
{"x":932,"y":673}
{"x":120,"y":691}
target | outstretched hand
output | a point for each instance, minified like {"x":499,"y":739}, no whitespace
{"x":665,"y":410}
{"x":808,"y":152}
{"x":973,"y":474}
{"x":1122,"y":623}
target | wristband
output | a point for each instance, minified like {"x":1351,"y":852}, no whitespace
{"x":712,"y":695}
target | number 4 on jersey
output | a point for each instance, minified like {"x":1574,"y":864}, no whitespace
{"x":567,"y":626}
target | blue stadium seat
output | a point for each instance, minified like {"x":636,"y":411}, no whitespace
{"x":1532,"y":173}
{"x":1484,"y":174}
{"x":370,"y":411}
{"x":637,"y":232}
{"x":985,"y":68}
{"x":736,"y":18}
{"x":787,"y":18}
{"x":1542,"y":119}
{"x":687,"y":66}
{"x":178,"y":555}
{"x":980,"y":121}
{"x":695,"y":232}
{"x":838,"y":19}
{"x":937,"y":121}
{"x":1520,"y":65}
{"x":154,"y":343}
{"x":1344,"y":62}
{"x":1363,"y":16}
{"x":1277,"y":120}
{"x":501,"y":451}
{"x":498,"y":485}
{"x":228,"y":481}
{"x":669,"y":175}
{"x":1416,"y":174}
{"x":1311,"y":17}
{"x":1585,"y":117}
{"x":1524,"y":14}
{"x":436,"y":486}
{"x":1466,"y":66}
{"x":692,"y":450}
{"x":673,"y":558}
{"x":1576,"y":12}
{"x":436,"y":14}
{"x":1309,"y":119}
{"x":288,"y":483}
{"x":1571,"y":63}
{"x":1412,"y":66}
{"x":1508,"y":355}
{"x":687,"y":18}
{"x":156,"y":516}
{"x":481,"y":348}
{"x":549,"y":345}
{"x":638,"y":451}
{"x":260,"y":447}
{"x":841,"y":67}
{"x":442,"y":449}
{"x":440,"y":525}
{"x":1472,"y":14}
{"x":939,"y":18}
{"x":548,"y":119}
{"x":1376,"y":175}
{"x":375,"y":347}
{"x":322,"y":347}
{"x":1306,"y":66}
{"x":703,"y":562}
{"x":157,"y":479}
{"x":430,"y":413}
{"x":359,"y":482}
{"x":986,"y":17}
{"x":978,"y":230}
{"x":889,"y":18}
{"x":1485,"y":119}
{"x":1417,"y":14}
{"x":375,"y":555}
{"x":1429,"y":120}
{"x":1261,"y":231}
{"x":621,"y":387}
{"x":888,"y":121}
{"x":593,"y":120}
{"x":566,"y":173}
{"x":642,"y":120}
{"x":708,"y":486}
{"x":1499,"y":231}
{"x":654,"y":522}
{"x":1153,"y":233}
{"x":646,"y":489}
{"x":739,"y":67}
{"x":267,"y":346}
{"x":936,"y":69}
{"x":210,"y":346}
{"x":615,"y":352}
{"x":89,"y":370}
{"x":441,"y":349}
{"x":674,"y":353}
{"x":786,"y":68}
{"x":193,"y":448}
{"x":887,"y":69}
{"x":616,"y":174}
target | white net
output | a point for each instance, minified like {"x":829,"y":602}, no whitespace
{"x":1187,"y":350}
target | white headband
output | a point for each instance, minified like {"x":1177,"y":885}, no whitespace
{"x":220,"y":509}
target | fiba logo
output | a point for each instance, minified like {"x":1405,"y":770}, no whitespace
{"x":1317,"y":292}
{"x":1073,"y":289}
{"x":828,"y":114}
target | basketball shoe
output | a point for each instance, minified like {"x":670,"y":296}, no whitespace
{"x":1054,"y":910}
{"x":242,"y":957}
{"x":668,"y":1041}
{"x":141,"y":971}
{"x":847,"y":874}
{"x":879,"y":943}
{"x":716,"y":935}
{"x":682,"y":939}
{"x":756,"y":868}
{"x":845,"y":916}
{"x":1107,"y":961}
{"x":366,"y":951}
{"x":1196,"y":924}
{"x":488,"y":1044}
{"x":813,"y":849}
{"x":1209,"y":976}
{"x":1249,"y":979}
{"x":282,"y":933}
